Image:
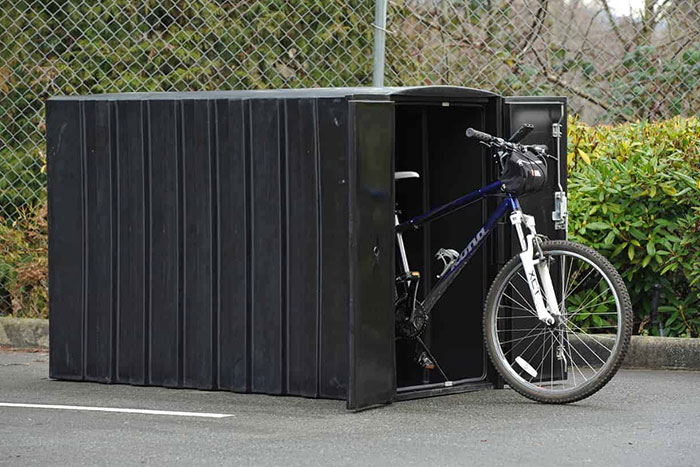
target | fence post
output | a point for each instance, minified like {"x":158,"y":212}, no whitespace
{"x":379,"y":42}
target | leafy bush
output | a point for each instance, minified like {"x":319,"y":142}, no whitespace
{"x":634,"y":195}
{"x":24,"y":265}
{"x":23,"y":181}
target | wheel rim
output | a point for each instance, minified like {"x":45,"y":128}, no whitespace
{"x":575,"y":352}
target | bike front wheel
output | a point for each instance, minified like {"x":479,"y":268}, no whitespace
{"x":578,"y":354}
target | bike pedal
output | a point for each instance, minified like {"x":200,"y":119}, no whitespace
{"x":425,"y":361}
{"x":408,"y":275}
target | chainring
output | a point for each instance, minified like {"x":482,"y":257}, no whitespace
{"x":405,"y":327}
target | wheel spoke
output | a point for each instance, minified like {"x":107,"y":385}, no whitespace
{"x":591,"y":291}
{"x":532,"y":311}
{"x":517,"y":317}
{"x":580,"y":309}
{"x":521,"y":295}
{"x":584,"y":359}
{"x":588,"y":347}
{"x":589,"y":335}
{"x":513,"y":347}
{"x":514,"y":330}
{"x":570,"y":278}
{"x":585,"y":304}
{"x":567,"y":295}
{"x":571,"y":358}
{"x":518,"y":339}
{"x":544,"y":356}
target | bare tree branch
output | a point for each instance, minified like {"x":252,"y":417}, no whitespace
{"x":585,"y":40}
{"x":548,"y":75}
{"x":558,"y":80}
{"x":651,"y":17}
{"x":536,"y":28}
{"x":613,"y":23}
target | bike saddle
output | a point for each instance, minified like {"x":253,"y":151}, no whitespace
{"x":404,"y":175}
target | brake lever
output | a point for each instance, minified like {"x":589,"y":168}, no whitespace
{"x":541,"y":149}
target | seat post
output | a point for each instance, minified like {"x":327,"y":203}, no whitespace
{"x":402,"y":248}
{"x":399,"y":236}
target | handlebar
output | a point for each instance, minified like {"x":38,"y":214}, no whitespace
{"x":510,"y":145}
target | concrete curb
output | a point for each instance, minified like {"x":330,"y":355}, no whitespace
{"x":24,"y":333}
{"x":668,"y":353}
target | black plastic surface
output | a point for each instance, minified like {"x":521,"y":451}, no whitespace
{"x":541,"y":112}
{"x":372,"y":369}
{"x":200,"y":243}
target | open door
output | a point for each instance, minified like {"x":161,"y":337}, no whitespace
{"x":372,"y":373}
{"x":548,"y":116}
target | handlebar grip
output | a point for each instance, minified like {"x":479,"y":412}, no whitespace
{"x":522,"y":132}
{"x":480,"y":135}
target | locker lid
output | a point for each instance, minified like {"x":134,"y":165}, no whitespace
{"x":437,"y":92}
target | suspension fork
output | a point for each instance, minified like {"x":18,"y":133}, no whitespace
{"x":541,"y":289}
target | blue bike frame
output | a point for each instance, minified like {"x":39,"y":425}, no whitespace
{"x":509,"y":203}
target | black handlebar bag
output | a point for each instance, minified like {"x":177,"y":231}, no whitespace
{"x":525,"y":172}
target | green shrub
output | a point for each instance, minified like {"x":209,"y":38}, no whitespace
{"x":24,"y":265}
{"x":22,"y":181}
{"x":634,"y":195}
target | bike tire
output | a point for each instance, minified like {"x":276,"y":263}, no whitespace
{"x":567,"y":332}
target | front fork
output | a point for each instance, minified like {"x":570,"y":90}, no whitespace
{"x":545,"y":312}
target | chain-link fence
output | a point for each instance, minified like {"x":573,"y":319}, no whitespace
{"x":645,"y":64}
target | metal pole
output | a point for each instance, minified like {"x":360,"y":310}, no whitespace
{"x":379,"y":42}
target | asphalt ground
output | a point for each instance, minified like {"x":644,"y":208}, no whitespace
{"x":640,"y":418}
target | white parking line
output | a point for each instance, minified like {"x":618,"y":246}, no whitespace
{"x":117,"y":410}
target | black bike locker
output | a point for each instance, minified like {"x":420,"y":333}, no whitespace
{"x":244,"y":240}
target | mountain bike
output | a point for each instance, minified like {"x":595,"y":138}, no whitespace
{"x":557,"y":319}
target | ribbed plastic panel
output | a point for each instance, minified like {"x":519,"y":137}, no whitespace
{"x":200,"y":242}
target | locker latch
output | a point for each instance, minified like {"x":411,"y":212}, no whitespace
{"x":560,"y":215}
{"x":556,"y":130}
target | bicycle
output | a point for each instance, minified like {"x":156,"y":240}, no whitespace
{"x":557,"y":319}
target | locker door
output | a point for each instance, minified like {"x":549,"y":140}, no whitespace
{"x":548,"y":115}
{"x":543,"y":113}
{"x":372,"y":373}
